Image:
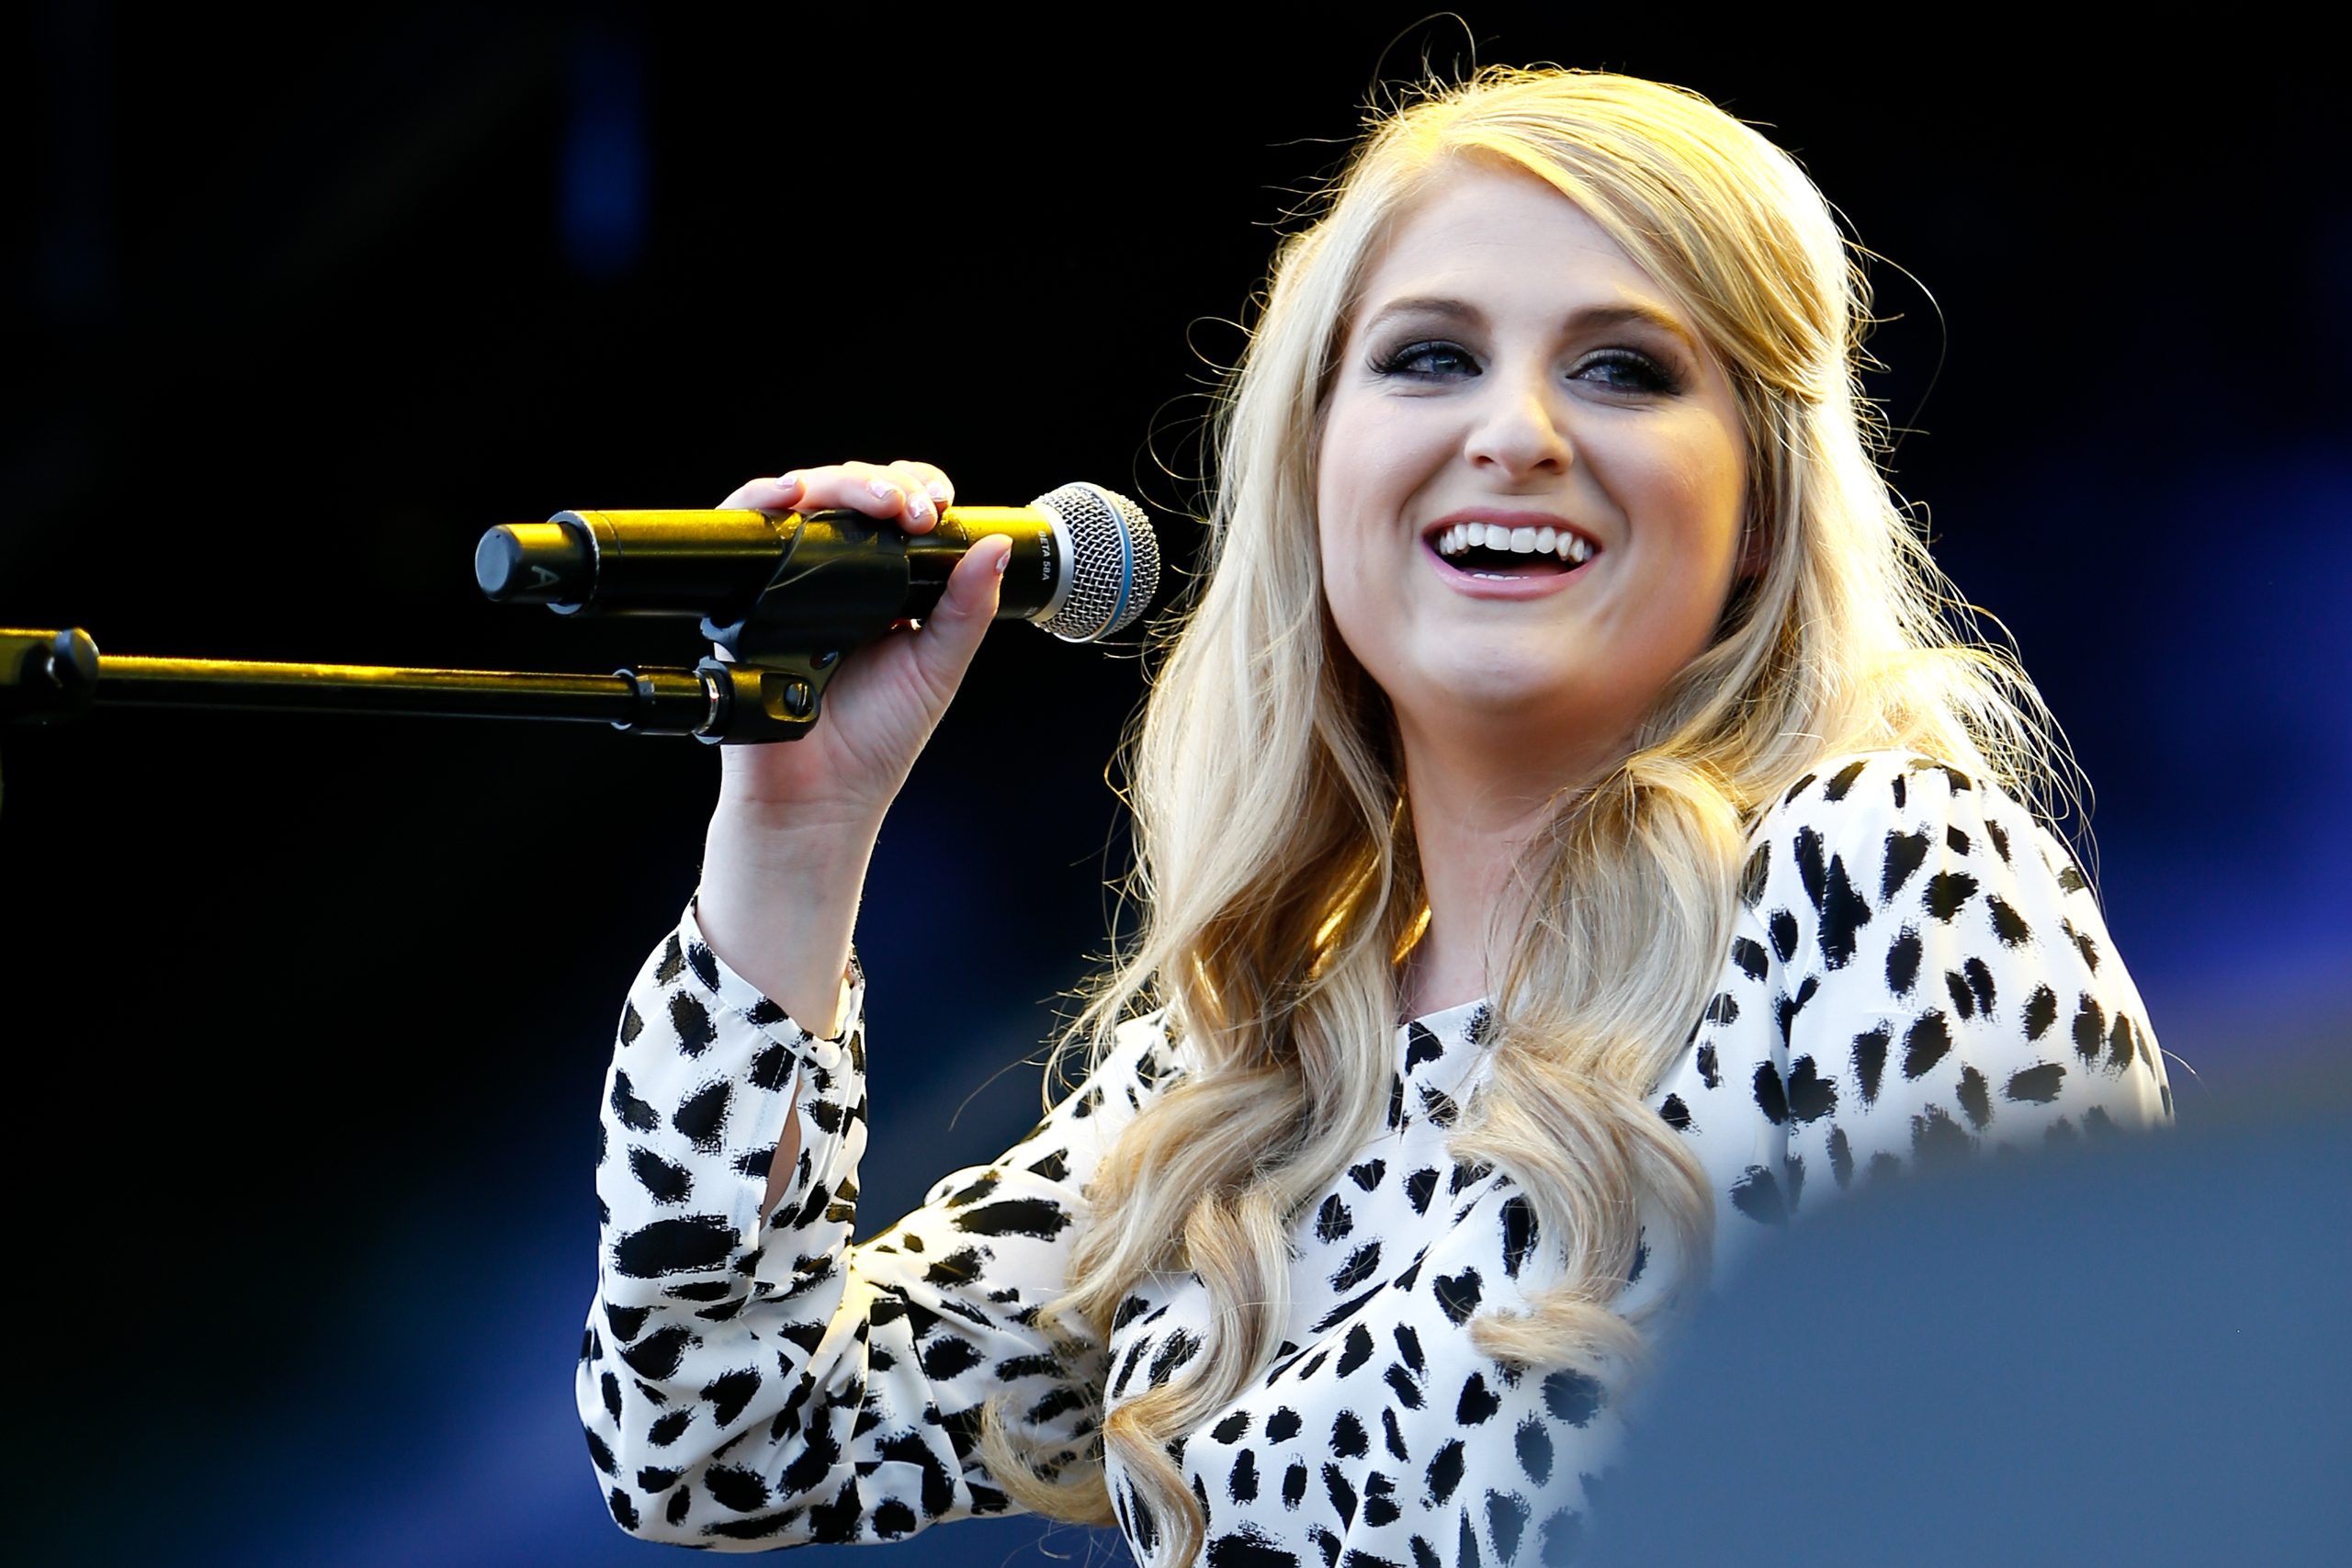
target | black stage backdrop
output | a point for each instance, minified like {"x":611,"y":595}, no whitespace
{"x":305,"y":1017}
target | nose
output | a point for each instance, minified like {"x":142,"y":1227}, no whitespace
{"x":1519,"y":427}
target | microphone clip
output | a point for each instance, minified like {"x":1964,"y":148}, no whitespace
{"x":786,"y":643}
{"x":774,"y":696}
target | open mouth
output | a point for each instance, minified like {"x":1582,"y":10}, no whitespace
{"x":1492,"y":550}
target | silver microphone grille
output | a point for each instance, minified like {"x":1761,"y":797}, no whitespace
{"x":1114,"y":561}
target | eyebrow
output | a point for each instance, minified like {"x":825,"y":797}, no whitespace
{"x":1591,"y":318}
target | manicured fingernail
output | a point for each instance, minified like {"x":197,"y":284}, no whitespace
{"x":938,"y":491}
{"x":787,"y":481}
{"x":919,"y":509}
{"x":884,"y":489}
{"x":1003,"y":557}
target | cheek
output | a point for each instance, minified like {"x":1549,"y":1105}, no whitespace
{"x":1371,"y":445}
{"x":1693,"y":496}
{"x":1350,"y":589}
{"x":1360,"y":588}
{"x":1703,"y":489}
{"x":1343,"y":489}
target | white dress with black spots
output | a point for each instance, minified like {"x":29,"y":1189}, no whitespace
{"x":1918,"y":971}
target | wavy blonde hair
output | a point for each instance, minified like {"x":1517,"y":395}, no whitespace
{"x":1278,"y":893}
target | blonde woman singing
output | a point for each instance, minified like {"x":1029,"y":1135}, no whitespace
{"x":1575,"y":840}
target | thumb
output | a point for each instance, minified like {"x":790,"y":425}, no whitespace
{"x":952,"y":634}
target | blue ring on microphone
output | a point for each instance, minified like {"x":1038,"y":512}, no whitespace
{"x":1126,"y":569}
{"x":1127,"y":558}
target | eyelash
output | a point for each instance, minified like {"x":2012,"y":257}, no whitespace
{"x":1401,"y":361}
{"x":1649,"y":374}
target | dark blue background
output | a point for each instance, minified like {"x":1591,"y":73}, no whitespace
{"x":306,"y":1016}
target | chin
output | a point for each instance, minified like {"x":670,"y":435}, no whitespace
{"x":1506,"y":695}
{"x":1501,"y":675}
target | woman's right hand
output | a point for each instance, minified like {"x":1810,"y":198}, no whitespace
{"x":796,"y":820}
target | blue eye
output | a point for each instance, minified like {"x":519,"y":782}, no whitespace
{"x":1623,"y":369}
{"x":1432,"y":359}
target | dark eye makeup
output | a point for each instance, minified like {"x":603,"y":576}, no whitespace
{"x":1629,"y":370}
{"x":1427,"y":359}
{"x":1616,"y":369}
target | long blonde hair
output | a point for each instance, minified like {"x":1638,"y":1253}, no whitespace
{"x":1277,"y":893}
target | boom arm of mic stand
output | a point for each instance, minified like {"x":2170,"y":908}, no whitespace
{"x":51,"y":675}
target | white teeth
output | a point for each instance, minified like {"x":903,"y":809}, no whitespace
{"x":1463,"y":536}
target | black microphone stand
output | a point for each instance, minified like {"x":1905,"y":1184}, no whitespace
{"x":769,"y":689}
{"x":783,"y":595}
{"x":47,"y":675}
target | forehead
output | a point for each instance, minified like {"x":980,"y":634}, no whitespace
{"x":1493,"y":236}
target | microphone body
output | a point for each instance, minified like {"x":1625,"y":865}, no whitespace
{"x":1084,"y":564}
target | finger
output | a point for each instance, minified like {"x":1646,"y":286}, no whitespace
{"x":907,"y":492}
{"x":952,"y":633}
{"x":920,"y":490}
{"x":870,"y":488}
{"x":765,"y":495}
{"x":932,"y":481}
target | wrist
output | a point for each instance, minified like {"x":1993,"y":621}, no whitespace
{"x":832,"y":830}
{"x":779,"y":901}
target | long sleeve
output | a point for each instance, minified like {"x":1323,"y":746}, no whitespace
{"x":750,"y":1380}
{"x":1921,"y":973}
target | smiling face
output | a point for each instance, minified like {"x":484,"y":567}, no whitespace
{"x":1532,"y":479}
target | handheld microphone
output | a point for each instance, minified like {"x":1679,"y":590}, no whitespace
{"x":1084,"y":565}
